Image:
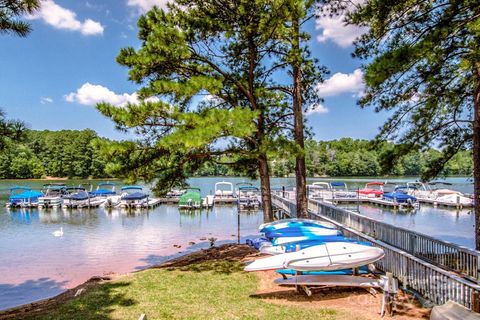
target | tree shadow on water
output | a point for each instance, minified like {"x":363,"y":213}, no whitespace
{"x":12,"y":295}
{"x":97,"y":302}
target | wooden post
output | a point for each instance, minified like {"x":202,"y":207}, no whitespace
{"x":476,"y":302}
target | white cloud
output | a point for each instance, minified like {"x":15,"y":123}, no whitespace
{"x":90,"y":94}
{"x":342,"y":83}
{"x":61,"y":18}
{"x":317,"y":108}
{"x":335,"y":29}
{"x":145,"y":5}
{"x":45,"y":100}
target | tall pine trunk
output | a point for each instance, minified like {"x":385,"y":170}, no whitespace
{"x":476,"y":155}
{"x":300,"y":168}
{"x":265,"y":188}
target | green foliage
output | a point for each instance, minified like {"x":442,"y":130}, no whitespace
{"x":210,"y":67}
{"x":349,"y":157}
{"x":422,"y":66}
{"x":65,"y":153}
{"x":10,"y":131}
{"x":11,"y":10}
{"x":207,"y":290}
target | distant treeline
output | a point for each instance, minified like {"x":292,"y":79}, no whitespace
{"x":350,"y":157}
{"x":74,"y":154}
{"x":65,"y":153}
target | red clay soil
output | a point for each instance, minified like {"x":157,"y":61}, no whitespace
{"x":355,"y":303}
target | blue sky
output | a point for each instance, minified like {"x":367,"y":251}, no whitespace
{"x":53,"y":78}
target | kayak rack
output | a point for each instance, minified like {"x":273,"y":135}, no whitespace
{"x":435,"y":270}
{"x":308,"y":283}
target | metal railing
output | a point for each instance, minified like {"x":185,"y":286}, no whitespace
{"x":440,"y":253}
{"x":420,"y":262}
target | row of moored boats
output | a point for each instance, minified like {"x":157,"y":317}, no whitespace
{"x":244,"y":194}
{"x":55,"y":195}
{"x":410,"y":193}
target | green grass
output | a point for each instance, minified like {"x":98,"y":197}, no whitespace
{"x":210,"y":290}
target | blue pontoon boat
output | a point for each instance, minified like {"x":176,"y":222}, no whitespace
{"x":133,"y":197}
{"x":23,"y":197}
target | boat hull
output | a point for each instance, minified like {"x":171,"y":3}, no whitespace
{"x":325,"y":257}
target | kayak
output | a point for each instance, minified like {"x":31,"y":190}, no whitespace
{"x":349,"y":272}
{"x":286,"y":223}
{"x":300,"y":231}
{"x":269,"y":248}
{"x":329,"y":256}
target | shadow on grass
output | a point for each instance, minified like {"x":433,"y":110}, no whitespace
{"x":217,"y":266}
{"x":98,"y":303}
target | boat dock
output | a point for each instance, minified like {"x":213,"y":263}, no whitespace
{"x":225,"y":201}
{"x":168,"y":200}
{"x":436,"y":270}
{"x":153,"y":203}
{"x":391,"y":204}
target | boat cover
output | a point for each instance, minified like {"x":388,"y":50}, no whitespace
{"x":135,"y":196}
{"x":78,"y":196}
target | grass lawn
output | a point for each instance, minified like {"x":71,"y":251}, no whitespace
{"x":208,"y":290}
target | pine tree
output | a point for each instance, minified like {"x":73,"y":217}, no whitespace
{"x":10,"y":10}
{"x":223,"y":50}
{"x":423,"y":66}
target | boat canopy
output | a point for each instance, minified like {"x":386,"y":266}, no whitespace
{"x":194,"y":189}
{"x":244,"y":183}
{"x":46,"y":185}
{"x":105,"y":184}
{"x":19,"y":189}
{"x":323,"y":185}
{"x":405,"y":188}
{"x":135,"y":196}
{"x":375,"y":183}
{"x":434,"y":183}
{"x":248,"y":188}
{"x":132,"y":188}
{"x":228,"y":185}
{"x":338,"y":184}
{"x":25,"y":195}
{"x":75,"y":189}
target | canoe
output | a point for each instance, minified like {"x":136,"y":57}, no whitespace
{"x":329,"y":256}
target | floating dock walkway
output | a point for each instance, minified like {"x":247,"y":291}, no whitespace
{"x":391,"y":204}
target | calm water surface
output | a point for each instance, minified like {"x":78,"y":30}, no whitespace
{"x":35,"y":265}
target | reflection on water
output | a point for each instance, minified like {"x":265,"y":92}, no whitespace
{"x":36,"y":264}
{"x":457,"y":226}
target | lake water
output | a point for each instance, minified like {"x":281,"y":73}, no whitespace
{"x":35,"y":265}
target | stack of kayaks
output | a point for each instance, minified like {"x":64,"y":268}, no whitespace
{"x":311,"y":246}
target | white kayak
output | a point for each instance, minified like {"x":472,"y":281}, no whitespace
{"x":325,"y":257}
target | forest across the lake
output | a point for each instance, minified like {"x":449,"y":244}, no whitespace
{"x":77,"y":154}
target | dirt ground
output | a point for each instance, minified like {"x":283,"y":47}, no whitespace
{"x":357,"y":303}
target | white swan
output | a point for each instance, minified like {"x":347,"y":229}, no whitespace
{"x":58,"y":233}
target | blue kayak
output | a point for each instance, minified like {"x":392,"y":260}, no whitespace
{"x":349,"y":272}
{"x":301,"y":231}
{"x":296,"y":224}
